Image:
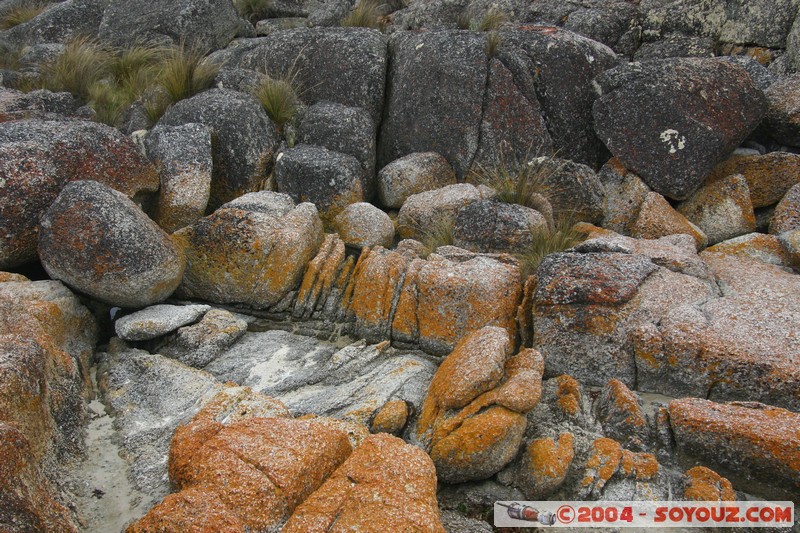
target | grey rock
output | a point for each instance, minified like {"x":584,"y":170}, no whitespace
{"x":620,"y":412}
{"x":201,"y":343}
{"x":203,"y":24}
{"x":423,"y":211}
{"x":680,"y":140}
{"x":311,"y":376}
{"x":758,"y":22}
{"x":413,"y":174}
{"x":183,"y":157}
{"x":343,"y":129}
{"x":790,"y":242}
{"x":239,"y":79}
{"x":271,"y":203}
{"x":787,"y":213}
{"x":342,"y":65}
{"x":362,"y":224}
{"x":37,"y":158}
{"x":616,"y":24}
{"x":330,"y":13}
{"x":435,"y":96}
{"x":761,"y":75}
{"x":625,"y":194}
{"x":126,"y":260}
{"x":330,"y":180}
{"x":456,"y":523}
{"x":60,"y":23}
{"x":245,"y":139}
{"x":783,"y":113}
{"x":571,"y":188}
{"x":17,"y":102}
{"x":270,"y":26}
{"x":676,"y":45}
{"x":476,"y":496}
{"x":157,"y":320}
{"x":722,"y":209}
{"x":492,"y":227}
{"x":792,"y":56}
{"x":150,"y":396}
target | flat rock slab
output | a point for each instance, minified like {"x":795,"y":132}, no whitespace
{"x":157,"y":320}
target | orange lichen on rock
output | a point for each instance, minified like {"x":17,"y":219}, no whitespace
{"x":638,"y":466}
{"x":703,"y":484}
{"x":189,"y":511}
{"x":473,"y":417}
{"x":385,"y":485}
{"x":259,"y":469}
{"x":748,"y":438}
{"x":604,"y":461}
{"x":545,"y":465}
{"x":391,"y":418}
{"x":321,"y":275}
{"x":6,"y":277}
{"x":568,"y":394}
{"x":619,"y":412}
{"x":768,"y":176}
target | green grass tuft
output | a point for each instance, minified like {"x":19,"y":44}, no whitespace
{"x":21,"y":13}
{"x":253,"y":10}
{"x":184,"y":73}
{"x":546,"y":241}
{"x":83,"y":63}
{"x":438,"y":233}
{"x":524,"y":183}
{"x":279,"y":98}
{"x":366,"y":14}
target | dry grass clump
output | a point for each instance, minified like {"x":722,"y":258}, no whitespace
{"x":83,"y":63}
{"x":548,"y":240}
{"x":367,"y":14}
{"x":20,"y":13}
{"x":279,"y":97}
{"x":438,"y":233}
{"x":253,"y":10}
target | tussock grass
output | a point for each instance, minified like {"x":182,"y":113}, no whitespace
{"x":184,"y":73}
{"x":365,"y":15}
{"x":279,"y":97}
{"x":438,"y":233}
{"x":82,"y":65}
{"x":523,"y":183}
{"x":492,"y":20}
{"x":493,"y":42}
{"x":9,"y":56}
{"x":546,"y":241}
{"x":21,"y":13}
{"x":253,"y":10}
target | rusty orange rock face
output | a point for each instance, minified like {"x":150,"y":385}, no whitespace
{"x":703,"y":484}
{"x":745,"y":438}
{"x":545,"y":465}
{"x":473,"y":417}
{"x":638,"y":466}
{"x":657,"y":219}
{"x":604,"y":461}
{"x":768,"y":176}
{"x":385,"y":485}
{"x":391,"y":418}
{"x":249,"y":472}
{"x":568,"y":395}
{"x":240,"y":256}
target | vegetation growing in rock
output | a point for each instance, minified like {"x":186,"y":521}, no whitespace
{"x":279,"y":96}
{"x":365,"y":15}
{"x":439,"y":233}
{"x":253,"y":10}
{"x":21,"y":12}
{"x":491,"y":20}
{"x":546,"y":241}
{"x":83,"y":64}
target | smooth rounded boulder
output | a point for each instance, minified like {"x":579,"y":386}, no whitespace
{"x":99,"y":242}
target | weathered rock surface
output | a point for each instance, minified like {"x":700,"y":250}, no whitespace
{"x":625,"y":195}
{"x":59,"y":23}
{"x":199,"y":344}
{"x":659,"y":219}
{"x":740,"y":346}
{"x":413,"y":174}
{"x":203,"y":24}
{"x":748,"y":439}
{"x":787,"y":213}
{"x":783,"y":112}
{"x":125,"y":259}
{"x":157,"y":320}
{"x":722,"y":209}
{"x":703,"y":484}
{"x":769,"y":176}
{"x":348,"y":130}
{"x":422,"y":212}
{"x":545,"y":464}
{"x":183,"y":157}
{"x":473,"y":418}
{"x":764,"y":248}
{"x":45,"y":348}
{"x":37,"y":158}
{"x":17,"y":105}
{"x":620,"y":412}
{"x":588,"y":302}
{"x":385,"y":484}
{"x":330,"y":180}
{"x":342,"y":65}
{"x":362,"y":224}
{"x":314,"y":377}
{"x":674,"y":145}
{"x":259,"y":467}
{"x":251,"y":257}
{"x":572,"y":189}
{"x":244,"y":139}
{"x":490,"y":226}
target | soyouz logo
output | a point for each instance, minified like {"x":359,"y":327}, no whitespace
{"x":644,"y":514}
